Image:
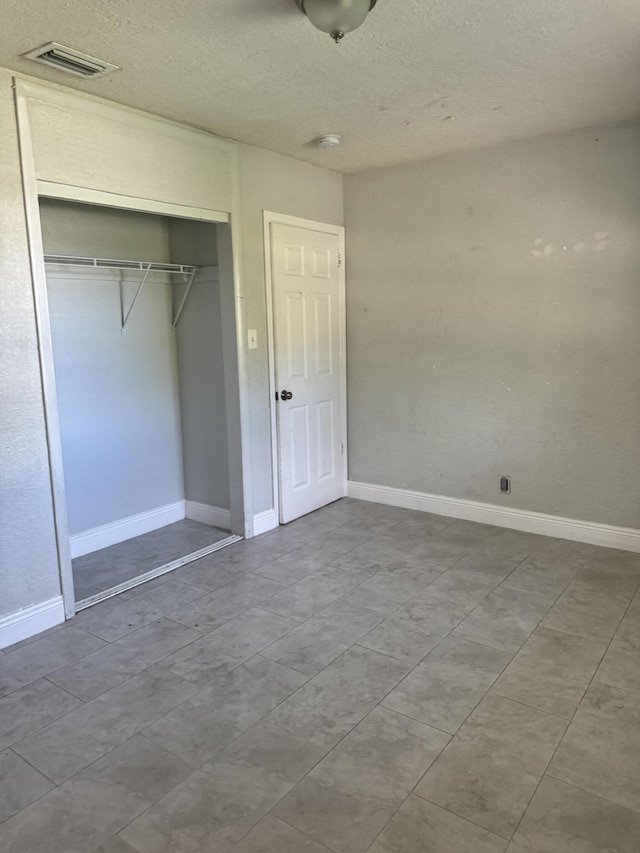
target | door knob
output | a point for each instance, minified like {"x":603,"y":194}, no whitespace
{"x":286,"y":395}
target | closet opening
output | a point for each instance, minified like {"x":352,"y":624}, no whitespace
{"x":142,"y":322}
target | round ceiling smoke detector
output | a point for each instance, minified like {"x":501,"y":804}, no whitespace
{"x":328,"y":140}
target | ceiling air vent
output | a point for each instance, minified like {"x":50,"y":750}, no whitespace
{"x":70,"y":60}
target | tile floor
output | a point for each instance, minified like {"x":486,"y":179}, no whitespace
{"x":366,"y":678}
{"x":112,"y":566}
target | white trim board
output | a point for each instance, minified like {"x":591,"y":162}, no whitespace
{"x":592,"y":533}
{"x":265,"y":521}
{"x":125,"y":528}
{"x":216,"y":516}
{"x":31,"y":620}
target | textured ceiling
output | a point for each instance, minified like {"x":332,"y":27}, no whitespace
{"x":418,"y":79}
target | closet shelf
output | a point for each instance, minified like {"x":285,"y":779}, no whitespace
{"x":113,"y":264}
{"x":145,"y":267}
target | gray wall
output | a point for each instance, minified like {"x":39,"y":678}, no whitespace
{"x":493,"y":312}
{"x":118,"y":396}
{"x":270,"y":181}
{"x":201,"y":368}
{"x":28,"y":558}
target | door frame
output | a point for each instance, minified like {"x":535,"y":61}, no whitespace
{"x":34,"y":188}
{"x":271,"y":218}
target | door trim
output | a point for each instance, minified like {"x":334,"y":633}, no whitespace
{"x":269,"y":218}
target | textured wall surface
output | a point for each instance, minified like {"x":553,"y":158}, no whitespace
{"x":28,"y":559}
{"x":201,"y":366}
{"x":118,"y":395}
{"x":272,"y":182}
{"x":493,"y":311}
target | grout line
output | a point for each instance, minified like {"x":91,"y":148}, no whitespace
{"x":578,"y":706}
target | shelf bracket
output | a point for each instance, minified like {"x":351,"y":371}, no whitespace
{"x":183,"y":301}
{"x":125,"y":317}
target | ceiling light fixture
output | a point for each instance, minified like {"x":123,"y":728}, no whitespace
{"x":336,"y":17}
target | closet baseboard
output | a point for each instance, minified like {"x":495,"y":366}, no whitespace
{"x":265,"y":521}
{"x":125,"y":528}
{"x":206,"y":514}
{"x":31,"y":620}
{"x":592,"y":533}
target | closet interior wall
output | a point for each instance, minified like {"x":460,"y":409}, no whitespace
{"x":142,"y":414}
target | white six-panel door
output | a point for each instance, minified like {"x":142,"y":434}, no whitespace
{"x":308,"y":368}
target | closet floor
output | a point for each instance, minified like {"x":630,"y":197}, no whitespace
{"x":109,"y":567}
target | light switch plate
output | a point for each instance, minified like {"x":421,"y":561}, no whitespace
{"x":252,"y":336}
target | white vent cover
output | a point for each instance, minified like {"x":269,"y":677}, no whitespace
{"x":70,"y":60}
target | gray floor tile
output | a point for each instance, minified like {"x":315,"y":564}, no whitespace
{"x":551,"y":672}
{"x":30,"y":708}
{"x":600,"y":752}
{"x":373,"y":555}
{"x":273,"y":835}
{"x":215,"y":807}
{"x":445,"y":688}
{"x":214,"y":610}
{"x":350,"y":795}
{"x":252,"y":689}
{"x":415,"y":629}
{"x":90,"y":808}
{"x":84,"y":735}
{"x":100,"y":671}
{"x":387,"y":590}
{"x":587,"y":610}
{"x":205,"y":732}
{"x":463,"y":587}
{"x":205,"y":573}
{"x":422,"y":827}
{"x":505,"y":620}
{"x":229,"y":646}
{"x":195,"y":731}
{"x":564,"y":819}
{"x":205,"y":724}
{"x":441,"y":554}
{"x":115,"y":618}
{"x":620,"y":666}
{"x":306,"y":597}
{"x":341,"y":542}
{"x":46,"y":655}
{"x":294,"y":566}
{"x":543,"y":575}
{"x":329,"y":705}
{"x":491,"y":768}
{"x":313,"y":645}
{"x":20,"y":784}
{"x":115,"y":845}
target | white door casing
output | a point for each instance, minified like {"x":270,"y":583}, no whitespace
{"x":309,"y":364}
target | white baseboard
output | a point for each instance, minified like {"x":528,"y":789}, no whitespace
{"x":265,"y":521}
{"x":608,"y":536}
{"x":31,"y":620}
{"x":207,"y":514}
{"x":125,"y":528}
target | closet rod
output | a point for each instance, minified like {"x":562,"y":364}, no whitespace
{"x":115,"y":264}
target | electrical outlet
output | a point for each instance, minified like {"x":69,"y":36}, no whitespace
{"x":505,"y":485}
{"x":252,"y":336}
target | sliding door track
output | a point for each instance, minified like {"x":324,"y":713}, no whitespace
{"x":155,"y":573}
